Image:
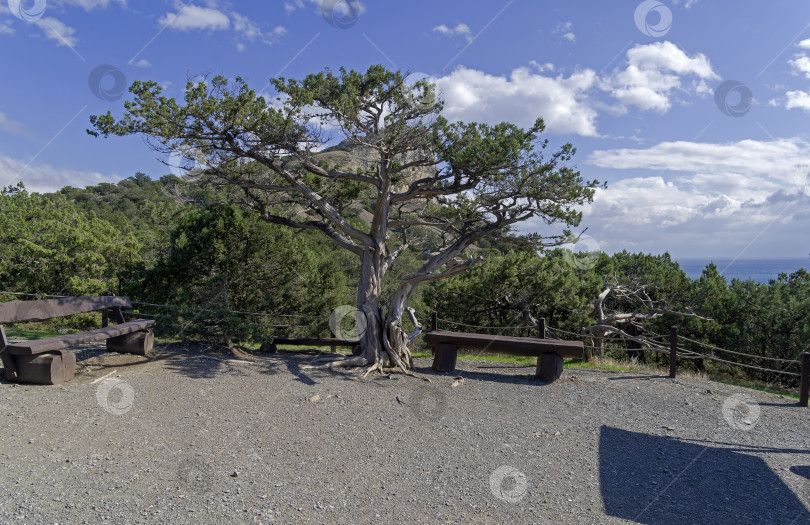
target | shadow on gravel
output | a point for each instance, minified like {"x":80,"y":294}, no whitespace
{"x":492,"y":377}
{"x":191,"y":361}
{"x":801,"y":470}
{"x":661,"y":480}
{"x":294,"y":366}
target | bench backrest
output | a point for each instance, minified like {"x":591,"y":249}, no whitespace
{"x":42,"y":309}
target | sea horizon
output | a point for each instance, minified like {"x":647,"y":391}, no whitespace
{"x":760,"y":270}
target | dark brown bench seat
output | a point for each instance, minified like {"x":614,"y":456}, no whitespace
{"x":46,"y":361}
{"x":549,"y":352}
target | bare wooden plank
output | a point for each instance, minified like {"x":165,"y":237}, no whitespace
{"x":65,"y":341}
{"x":42,"y":309}
{"x":528,"y":346}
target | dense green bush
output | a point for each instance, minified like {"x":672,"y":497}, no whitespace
{"x":48,"y":246}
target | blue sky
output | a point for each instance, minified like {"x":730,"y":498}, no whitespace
{"x":694,"y":111}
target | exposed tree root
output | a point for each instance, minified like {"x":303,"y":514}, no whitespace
{"x":372,"y":368}
{"x":339,"y":363}
{"x":393,"y":354}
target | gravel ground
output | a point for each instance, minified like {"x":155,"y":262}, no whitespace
{"x":207,"y":438}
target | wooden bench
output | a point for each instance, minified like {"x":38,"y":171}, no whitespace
{"x":549,"y":352}
{"x":45,"y":361}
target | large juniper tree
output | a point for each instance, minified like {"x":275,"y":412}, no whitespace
{"x":422,"y":176}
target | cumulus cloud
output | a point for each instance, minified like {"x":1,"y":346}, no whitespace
{"x":460,"y":29}
{"x":140,"y":63}
{"x":57,"y":31}
{"x":289,"y":7}
{"x":542,"y":68}
{"x":569,"y":104}
{"x":356,"y":6}
{"x":44,"y":178}
{"x":564,"y":28}
{"x":246,"y":27}
{"x":193,"y":17}
{"x":746,"y":157}
{"x":801,"y":65}
{"x":653,"y":72}
{"x":521,"y":98}
{"x":705,"y":195}
{"x":797,"y":99}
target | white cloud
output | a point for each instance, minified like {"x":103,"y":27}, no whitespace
{"x":460,"y":29}
{"x":641,"y":201}
{"x":141,"y":63}
{"x":746,"y":157}
{"x":653,"y":72}
{"x":356,"y":6}
{"x":89,"y":5}
{"x":193,"y":17}
{"x":523,"y":97}
{"x":289,"y":7}
{"x":801,"y":64}
{"x":568,"y":104}
{"x":12,"y":126}
{"x":804,"y":44}
{"x":797,"y":99}
{"x":564,"y":28}
{"x":251,"y":32}
{"x":542,"y":68}
{"x":57,"y":31}
{"x":43,"y":178}
{"x":689,"y":3}
{"x":735,"y":173}
{"x":244,"y":26}
{"x":712,"y":199}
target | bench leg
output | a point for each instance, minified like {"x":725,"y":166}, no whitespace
{"x":9,"y":367}
{"x":444,"y":359}
{"x":44,"y":369}
{"x":549,"y":367}
{"x":140,"y":343}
